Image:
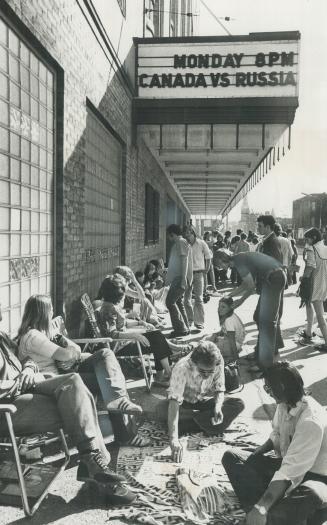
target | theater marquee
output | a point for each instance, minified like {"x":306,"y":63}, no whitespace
{"x":218,"y":69}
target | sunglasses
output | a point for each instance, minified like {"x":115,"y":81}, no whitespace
{"x":267,"y":388}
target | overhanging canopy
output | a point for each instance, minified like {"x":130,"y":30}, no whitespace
{"x":215,"y":140}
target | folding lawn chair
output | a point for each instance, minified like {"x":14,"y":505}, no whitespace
{"x":95,"y":330}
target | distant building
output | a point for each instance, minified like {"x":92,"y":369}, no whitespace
{"x":248,"y":218}
{"x":309,"y":211}
{"x":170,"y":18}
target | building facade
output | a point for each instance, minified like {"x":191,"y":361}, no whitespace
{"x":80,"y":193}
{"x":309,"y":211}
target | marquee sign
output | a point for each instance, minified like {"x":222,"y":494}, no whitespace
{"x":218,"y":69}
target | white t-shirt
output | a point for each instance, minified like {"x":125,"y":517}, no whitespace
{"x":38,"y":346}
{"x":234,"y":324}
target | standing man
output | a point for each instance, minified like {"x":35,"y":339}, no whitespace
{"x":269,"y":245}
{"x":179,"y":277}
{"x":285,"y":246}
{"x":257,"y":267}
{"x":201,"y":257}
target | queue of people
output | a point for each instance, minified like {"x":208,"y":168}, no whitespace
{"x":51,"y":381}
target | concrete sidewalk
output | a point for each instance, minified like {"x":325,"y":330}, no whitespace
{"x":69,"y":504}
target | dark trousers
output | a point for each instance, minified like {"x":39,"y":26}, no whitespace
{"x":59,"y":402}
{"x":158,"y":347}
{"x":267,"y":316}
{"x":231,"y":408}
{"x":102,"y":374}
{"x":250,"y":477}
{"x":175,"y":305}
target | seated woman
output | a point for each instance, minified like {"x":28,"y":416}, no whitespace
{"x":231,"y":335}
{"x":135,"y":291}
{"x":100,"y":371}
{"x":114,"y":323}
{"x":46,"y":405}
{"x":154,"y":279}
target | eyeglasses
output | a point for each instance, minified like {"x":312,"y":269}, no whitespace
{"x":267,"y":388}
{"x":206,"y":372}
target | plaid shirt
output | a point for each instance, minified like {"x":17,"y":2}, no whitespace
{"x":187,"y":384}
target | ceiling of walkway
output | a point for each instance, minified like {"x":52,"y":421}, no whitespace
{"x":210,"y":164}
{"x":214,"y":110}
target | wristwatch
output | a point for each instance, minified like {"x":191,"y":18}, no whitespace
{"x":261,"y":509}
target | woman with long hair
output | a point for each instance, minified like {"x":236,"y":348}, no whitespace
{"x":100,"y":371}
{"x":114,"y":323}
{"x":316,"y":272}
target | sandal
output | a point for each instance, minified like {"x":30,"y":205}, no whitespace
{"x":304,"y":335}
{"x":137,"y":441}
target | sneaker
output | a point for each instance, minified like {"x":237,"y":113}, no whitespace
{"x":125,"y":406}
{"x":93,"y":468}
{"x":117,"y":494}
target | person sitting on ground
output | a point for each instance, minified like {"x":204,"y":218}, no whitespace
{"x":289,"y":488}
{"x":114,"y":323}
{"x":231,"y":335}
{"x":100,"y":371}
{"x":198,"y":384}
{"x":46,"y":405}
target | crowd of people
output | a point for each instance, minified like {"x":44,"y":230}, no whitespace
{"x":52,"y":382}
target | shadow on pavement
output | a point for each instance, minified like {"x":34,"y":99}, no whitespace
{"x":265,"y":411}
{"x":318,"y":391}
{"x":55,"y":508}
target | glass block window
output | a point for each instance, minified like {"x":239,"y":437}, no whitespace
{"x":102,"y":224}
{"x":26,"y":176}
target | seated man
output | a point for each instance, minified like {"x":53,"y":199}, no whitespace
{"x":46,"y":405}
{"x":198,"y":384}
{"x":287,"y":489}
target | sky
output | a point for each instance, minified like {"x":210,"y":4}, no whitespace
{"x":302,"y":169}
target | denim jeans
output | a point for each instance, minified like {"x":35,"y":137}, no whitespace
{"x":250,"y":477}
{"x":195,"y":313}
{"x":175,"y":305}
{"x":102,"y":374}
{"x":267,"y":317}
{"x":60,"y":402}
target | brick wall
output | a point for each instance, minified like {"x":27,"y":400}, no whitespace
{"x":60,"y":27}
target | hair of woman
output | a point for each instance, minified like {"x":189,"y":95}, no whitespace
{"x":285,"y":381}
{"x":314,"y":234}
{"x":113,"y":288}
{"x":37,"y":314}
{"x":229,"y":301}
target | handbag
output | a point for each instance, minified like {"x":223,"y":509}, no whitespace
{"x":233,"y":382}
